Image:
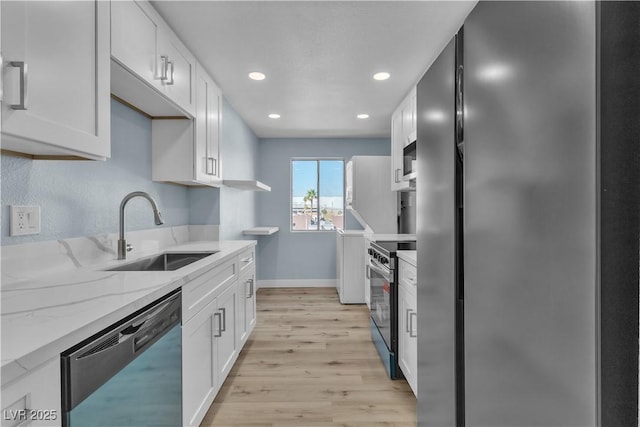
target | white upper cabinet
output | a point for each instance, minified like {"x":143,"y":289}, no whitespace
{"x":207,"y":123}
{"x":55,"y":73}
{"x":188,"y":151}
{"x":147,"y":51}
{"x":134,"y":40}
{"x":177,"y":71}
{"x":403,"y":133}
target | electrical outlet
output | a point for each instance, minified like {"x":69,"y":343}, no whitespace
{"x":25,"y":220}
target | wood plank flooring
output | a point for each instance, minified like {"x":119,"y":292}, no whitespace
{"x":310,"y":362}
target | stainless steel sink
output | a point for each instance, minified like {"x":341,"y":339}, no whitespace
{"x":167,"y":261}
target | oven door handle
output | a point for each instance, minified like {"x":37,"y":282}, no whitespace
{"x":381,"y":270}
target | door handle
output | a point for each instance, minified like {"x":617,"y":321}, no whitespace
{"x":164,"y":59}
{"x":224,"y":319}
{"x":170,"y":64}
{"x":397,"y":175}
{"x":211,"y":166}
{"x":367,"y":270}
{"x":250,"y":282}
{"x":219,"y":333}
{"x":23,"y":85}
{"x":407,"y":321}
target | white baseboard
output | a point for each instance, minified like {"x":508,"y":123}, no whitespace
{"x":297,"y":283}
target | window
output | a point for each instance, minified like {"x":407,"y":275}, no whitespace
{"x":317,"y":194}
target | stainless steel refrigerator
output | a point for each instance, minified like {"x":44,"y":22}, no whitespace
{"x":510,"y":208}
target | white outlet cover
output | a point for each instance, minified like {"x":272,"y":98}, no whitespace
{"x":25,"y":220}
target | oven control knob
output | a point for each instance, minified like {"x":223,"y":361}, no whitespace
{"x":370,"y":251}
{"x":384,"y":260}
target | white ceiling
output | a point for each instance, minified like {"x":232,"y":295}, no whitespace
{"x":319,"y":58}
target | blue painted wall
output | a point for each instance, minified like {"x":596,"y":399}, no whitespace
{"x":81,"y":198}
{"x":301,"y":255}
{"x":239,"y":161}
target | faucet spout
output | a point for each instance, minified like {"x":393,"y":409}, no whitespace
{"x":123,"y":248}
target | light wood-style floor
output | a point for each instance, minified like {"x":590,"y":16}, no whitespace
{"x":310,"y":362}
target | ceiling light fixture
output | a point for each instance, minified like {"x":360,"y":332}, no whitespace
{"x":274,"y":116}
{"x":256,"y":75}
{"x":363,"y":116}
{"x":381,"y":76}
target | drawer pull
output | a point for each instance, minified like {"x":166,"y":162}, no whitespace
{"x":247,"y":260}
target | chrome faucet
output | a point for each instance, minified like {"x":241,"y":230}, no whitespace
{"x":123,"y":247}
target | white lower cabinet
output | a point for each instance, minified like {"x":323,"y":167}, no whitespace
{"x":408,"y":324}
{"x":200,"y":381}
{"x":247,"y":305}
{"x":213,"y":337}
{"x":226,"y":339}
{"x":209,"y":348}
{"x":34,"y":400}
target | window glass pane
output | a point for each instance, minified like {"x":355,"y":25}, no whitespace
{"x":331,"y":200}
{"x":304,"y":195}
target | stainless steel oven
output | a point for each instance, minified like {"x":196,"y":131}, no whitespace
{"x":383,"y":284}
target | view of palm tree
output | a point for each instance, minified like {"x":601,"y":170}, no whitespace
{"x":317,"y":198}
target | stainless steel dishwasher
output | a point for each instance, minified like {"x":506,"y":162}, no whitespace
{"x":129,"y":374}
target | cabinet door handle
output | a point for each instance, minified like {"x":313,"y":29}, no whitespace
{"x":367,"y":271}
{"x":170,"y":64}
{"x":411,"y":333}
{"x":407,"y":319}
{"x":247,"y":260}
{"x":164,"y":60}
{"x":397,"y":175}
{"x":23,"y":85}
{"x":211,"y":166}
{"x":224,"y":319}
{"x":219,"y":333}
{"x":250,"y":282}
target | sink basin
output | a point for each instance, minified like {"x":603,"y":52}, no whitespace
{"x":167,"y":261}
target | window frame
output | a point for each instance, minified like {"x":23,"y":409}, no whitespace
{"x":317,"y":160}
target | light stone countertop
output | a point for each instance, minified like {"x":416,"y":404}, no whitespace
{"x":373,"y":237}
{"x":44,"y":316}
{"x":408,"y":256}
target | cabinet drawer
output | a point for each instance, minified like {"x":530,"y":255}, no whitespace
{"x":247,"y":258}
{"x":407,"y":274}
{"x":200,"y":291}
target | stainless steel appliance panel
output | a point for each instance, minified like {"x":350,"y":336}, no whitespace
{"x":530,"y":214}
{"x":435,"y":198}
{"x":382,"y":287}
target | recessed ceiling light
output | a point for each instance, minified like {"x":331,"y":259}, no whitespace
{"x":381,"y":76}
{"x":256,"y":75}
{"x":363,"y":116}
{"x":274,"y":116}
